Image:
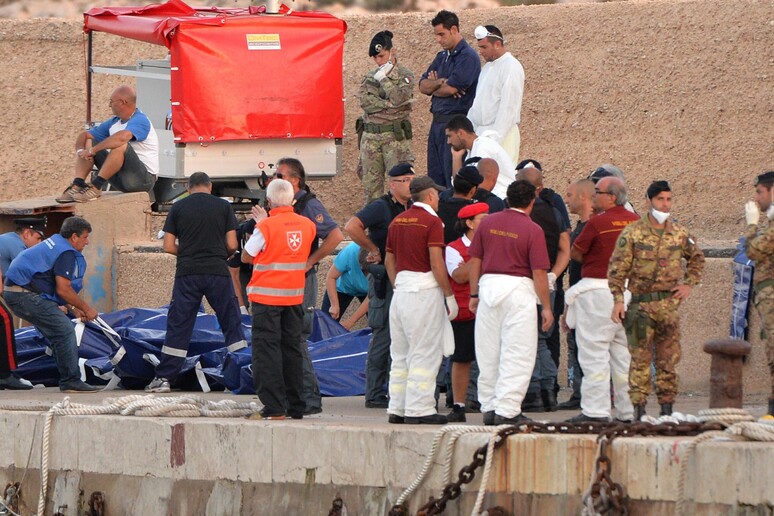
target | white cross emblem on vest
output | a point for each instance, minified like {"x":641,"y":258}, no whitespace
{"x":294,"y":240}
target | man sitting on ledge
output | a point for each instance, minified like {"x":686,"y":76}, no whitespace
{"x":125,"y":149}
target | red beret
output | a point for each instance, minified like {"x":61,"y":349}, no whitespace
{"x":471,"y":210}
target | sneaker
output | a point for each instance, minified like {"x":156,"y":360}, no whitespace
{"x":78,"y":386}
{"x":263,"y":416}
{"x":583,"y":418}
{"x":457,"y":415}
{"x":489,"y":418}
{"x":90,"y":193}
{"x":432,"y":419}
{"x":67,"y":195}
{"x":516,"y":420}
{"x":158,"y":385}
{"x":14,"y":384}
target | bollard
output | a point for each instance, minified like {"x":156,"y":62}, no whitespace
{"x":726,"y":389}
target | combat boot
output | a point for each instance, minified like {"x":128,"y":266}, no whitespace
{"x":666,"y":409}
{"x":771,"y":407}
{"x":639,"y":412}
{"x":549,"y":400}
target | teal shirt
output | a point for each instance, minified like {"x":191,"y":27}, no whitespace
{"x":352,"y":280}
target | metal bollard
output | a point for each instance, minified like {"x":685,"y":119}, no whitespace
{"x":726,"y":390}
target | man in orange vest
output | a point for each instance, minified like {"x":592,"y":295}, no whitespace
{"x":278,"y":249}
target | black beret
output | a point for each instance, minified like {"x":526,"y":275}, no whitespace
{"x":382,"y":41}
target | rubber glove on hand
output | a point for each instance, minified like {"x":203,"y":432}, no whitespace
{"x":751,"y":213}
{"x":551,"y":281}
{"x":383,"y":70}
{"x":451,"y":307}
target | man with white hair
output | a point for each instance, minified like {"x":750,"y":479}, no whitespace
{"x":279,"y":249}
{"x":496,"y":110}
{"x":602,"y":346}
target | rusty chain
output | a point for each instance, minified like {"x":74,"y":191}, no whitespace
{"x":607,"y":496}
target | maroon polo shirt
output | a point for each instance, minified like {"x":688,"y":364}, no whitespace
{"x":597,"y":240}
{"x":410,"y":235}
{"x":509,"y":242}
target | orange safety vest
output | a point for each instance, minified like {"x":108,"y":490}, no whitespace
{"x":279,"y":270}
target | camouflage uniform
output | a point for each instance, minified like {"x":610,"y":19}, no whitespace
{"x":652,"y":261}
{"x":759,"y":247}
{"x":386,"y":137}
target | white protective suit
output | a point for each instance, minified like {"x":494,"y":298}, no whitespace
{"x":602,"y":348}
{"x":421,"y":335}
{"x":506,"y":341}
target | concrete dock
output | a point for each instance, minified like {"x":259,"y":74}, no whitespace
{"x":231,"y":466}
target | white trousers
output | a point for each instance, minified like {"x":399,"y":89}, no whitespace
{"x":512,"y":143}
{"x":602,"y":352}
{"x":418,"y":326}
{"x":506,"y":342}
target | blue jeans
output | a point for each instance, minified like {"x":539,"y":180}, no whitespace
{"x":439,"y":158}
{"x":46,"y":316}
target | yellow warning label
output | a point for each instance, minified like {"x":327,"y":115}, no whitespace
{"x":263,"y":42}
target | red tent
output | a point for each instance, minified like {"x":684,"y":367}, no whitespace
{"x":241,"y":74}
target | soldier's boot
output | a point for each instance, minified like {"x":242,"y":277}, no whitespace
{"x":666,"y":409}
{"x":549,"y":400}
{"x":639,"y":412}
{"x":771,"y":407}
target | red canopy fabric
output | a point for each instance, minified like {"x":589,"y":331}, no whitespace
{"x":239,"y":74}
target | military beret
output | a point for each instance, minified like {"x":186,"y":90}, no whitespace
{"x":382,"y":41}
{"x":401,"y":169}
{"x":471,"y":210}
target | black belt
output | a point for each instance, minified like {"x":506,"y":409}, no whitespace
{"x":442,"y":119}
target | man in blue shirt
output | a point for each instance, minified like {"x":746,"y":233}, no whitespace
{"x":29,"y":231}
{"x":46,"y":277}
{"x":124,"y":148}
{"x":328,"y":237}
{"x":451,"y":81}
{"x":346,"y":281}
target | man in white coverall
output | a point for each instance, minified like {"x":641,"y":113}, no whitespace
{"x":509,"y":255}
{"x":602,"y":347}
{"x":496,"y":110}
{"x":419,"y":323}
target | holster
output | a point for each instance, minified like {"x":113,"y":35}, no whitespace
{"x":379,"y":273}
{"x":407,"y":131}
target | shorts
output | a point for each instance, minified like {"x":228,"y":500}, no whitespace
{"x":464,"y":341}
{"x":133,"y":176}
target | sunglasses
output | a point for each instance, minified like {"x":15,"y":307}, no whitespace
{"x":277,"y":175}
{"x":481,"y":32}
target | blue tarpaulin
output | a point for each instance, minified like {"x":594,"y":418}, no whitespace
{"x":338,"y":355}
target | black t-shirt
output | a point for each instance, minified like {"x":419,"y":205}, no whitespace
{"x":200,"y":223}
{"x":376,"y":218}
{"x":575,"y":267}
{"x":495,"y":203}
{"x":447,"y":211}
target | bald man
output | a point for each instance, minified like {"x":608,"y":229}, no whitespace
{"x":490,"y":171}
{"x":124,"y":148}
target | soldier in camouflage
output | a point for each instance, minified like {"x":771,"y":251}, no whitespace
{"x":386,"y":95}
{"x":649,"y":254}
{"x":759,"y":246}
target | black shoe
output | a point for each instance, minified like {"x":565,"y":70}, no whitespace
{"x":14,"y":384}
{"x":395,"y":419}
{"x":639,"y":412}
{"x":310,"y":411}
{"x":666,"y":409}
{"x":472,"y":407}
{"x":549,"y":400}
{"x":624,"y":421}
{"x":296,"y":415}
{"x":771,"y":407}
{"x":377,"y":403}
{"x":489,"y":418}
{"x":532,"y":404}
{"x":583,"y":418}
{"x":457,"y":415}
{"x":571,"y":404}
{"x":78,"y":386}
{"x":432,"y":419}
{"x":516,"y":420}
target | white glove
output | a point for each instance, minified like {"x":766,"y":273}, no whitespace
{"x":551,"y":281}
{"x":243,"y":310}
{"x":383,"y":70}
{"x":451,"y":306}
{"x":751,"y":213}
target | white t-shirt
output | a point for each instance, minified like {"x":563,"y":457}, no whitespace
{"x":453,"y":257}
{"x":486,"y":147}
{"x":497,"y":106}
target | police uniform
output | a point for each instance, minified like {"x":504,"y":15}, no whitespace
{"x":386,"y":129}
{"x":651,"y":259}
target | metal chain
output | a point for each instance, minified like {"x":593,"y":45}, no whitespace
{"x":607,"y":496}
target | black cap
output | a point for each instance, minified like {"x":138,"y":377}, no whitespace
{"x":34,"y":223}
{"x":529,"y":163}
{"x":599,"y":174}
{"x":401,"y":169}
{"x":766,"y":179}
{"x":470,"y":174}
{"x":422,"y":183}
{"x":382,"y":41}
